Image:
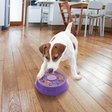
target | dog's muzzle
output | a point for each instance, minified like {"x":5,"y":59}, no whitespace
{"x":50,"y":70}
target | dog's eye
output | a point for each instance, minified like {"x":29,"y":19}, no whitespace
{"x":56,"y":57}
{"x":46,"y":57}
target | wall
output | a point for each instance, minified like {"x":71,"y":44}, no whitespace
{"x":26,"y":5}
{"x":2,"y":12}
{"x":105,"y":1}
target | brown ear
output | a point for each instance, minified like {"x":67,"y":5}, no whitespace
{"x":60,"y":47}
{"x":43,"y":47}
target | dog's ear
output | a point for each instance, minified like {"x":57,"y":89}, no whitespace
{"x":60,"y":48}
{"x":43,"y":47}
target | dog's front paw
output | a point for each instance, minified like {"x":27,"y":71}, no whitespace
{"x":77,"y":77}
{"x":39,"y":76}
{"x":78,"y":72}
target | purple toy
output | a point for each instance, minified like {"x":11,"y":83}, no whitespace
{"x":52,"y":84}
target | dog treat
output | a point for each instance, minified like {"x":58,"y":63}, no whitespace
{"x":50,"y":85}
{"x":57,"y":83}
{"x":52,"y":82}
{"x":47,"y":82}
{"x":43,"y":80}
{"x":60,"y":78}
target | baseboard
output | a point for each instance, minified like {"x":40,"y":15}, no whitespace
{"x":0,"y":28}
{"x":36,"y":24}
{"x":61,"y":27}
{"x":56,"y":27}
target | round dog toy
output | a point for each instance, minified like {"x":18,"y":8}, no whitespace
{"x":52,"y":84}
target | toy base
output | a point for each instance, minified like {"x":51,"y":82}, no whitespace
{"x":56,"y":86}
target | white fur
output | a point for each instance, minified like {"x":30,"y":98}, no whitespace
{"x":67,"y":39}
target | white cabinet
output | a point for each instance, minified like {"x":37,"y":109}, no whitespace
{"x":33,"y":14}
{"x":2,"y":12}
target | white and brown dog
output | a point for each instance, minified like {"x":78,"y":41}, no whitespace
{"x":62,"y":46}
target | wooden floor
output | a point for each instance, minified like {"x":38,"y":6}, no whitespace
{"x":20,"y":61}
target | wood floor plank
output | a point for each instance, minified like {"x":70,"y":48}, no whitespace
{"x":8,"y":59}
{"x":98,"y":67}
{"x":15,"y":47}
{"x":30,"y":65}
{"x":97,"y":55}
{"x":36,"y":49}
{"x":1,"y":85}
{"x":69,"y":103}
{"x":91,"y":78}
{"x":29,"y":101}
{"x":96,"y":73}
{"x":20,"y":68}
{"x":81,"y":96}
{"x":32,"y":53}
{"x":2,"y":51}
{"x":93,"y":58}
{"x":11,"y":100}
{"x":99,"y":96}
{"x":106,"y":89}
{"x":98,"y":45}
{"x":24,"y":82}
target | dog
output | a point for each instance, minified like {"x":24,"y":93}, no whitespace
{"x":62,"y":46}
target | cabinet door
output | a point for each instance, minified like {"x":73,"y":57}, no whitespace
{"x":34,"y":14}
{"x":2,"y":12}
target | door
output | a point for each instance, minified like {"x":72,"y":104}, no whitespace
{"x":16,"y":12}
{"x":8,"y":12}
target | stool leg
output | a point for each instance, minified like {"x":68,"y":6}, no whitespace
{"x":41,"y":24}
{"x":100,"y":26}
{"x":77,"y":26}
{"x":103,"y":26}
{"x":85,"y":26}
{"x":92,"y":26}
{"x":80,"y":26}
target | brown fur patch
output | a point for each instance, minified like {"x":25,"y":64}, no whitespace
{"x":57,"y":51}
{"x":74,"y":46}
{"x":44,"y":49}
{"x":53,"y":39}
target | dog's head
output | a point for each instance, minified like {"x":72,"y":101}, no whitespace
{"x":52,"y":54}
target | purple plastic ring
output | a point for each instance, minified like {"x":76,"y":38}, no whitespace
{"x":52,"y":84}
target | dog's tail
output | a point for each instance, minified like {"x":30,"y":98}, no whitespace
{"x":68,"y":29}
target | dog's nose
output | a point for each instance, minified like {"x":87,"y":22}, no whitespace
{"x":50,"y":70}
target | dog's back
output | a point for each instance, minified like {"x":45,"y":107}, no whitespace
{"x":64,"y":35}
{"x":66,"y":38}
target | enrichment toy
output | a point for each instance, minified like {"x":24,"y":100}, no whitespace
{"x":52,"y":84}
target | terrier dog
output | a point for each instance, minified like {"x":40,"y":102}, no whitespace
{"x":62,"y":46}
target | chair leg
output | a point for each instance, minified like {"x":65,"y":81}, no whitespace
{"x":100,"y":26}
{"x":92,"y":26}
{"x":77,"y":26}
{"x":80,"y":26}
{"x":103,"y":26}
{"x":85,"y":26}
{"x":89,"y":25}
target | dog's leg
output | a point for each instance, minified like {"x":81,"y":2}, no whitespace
{"x":78,"y":72}
{"x":73,"y":65}
{"x":42,"y":70}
